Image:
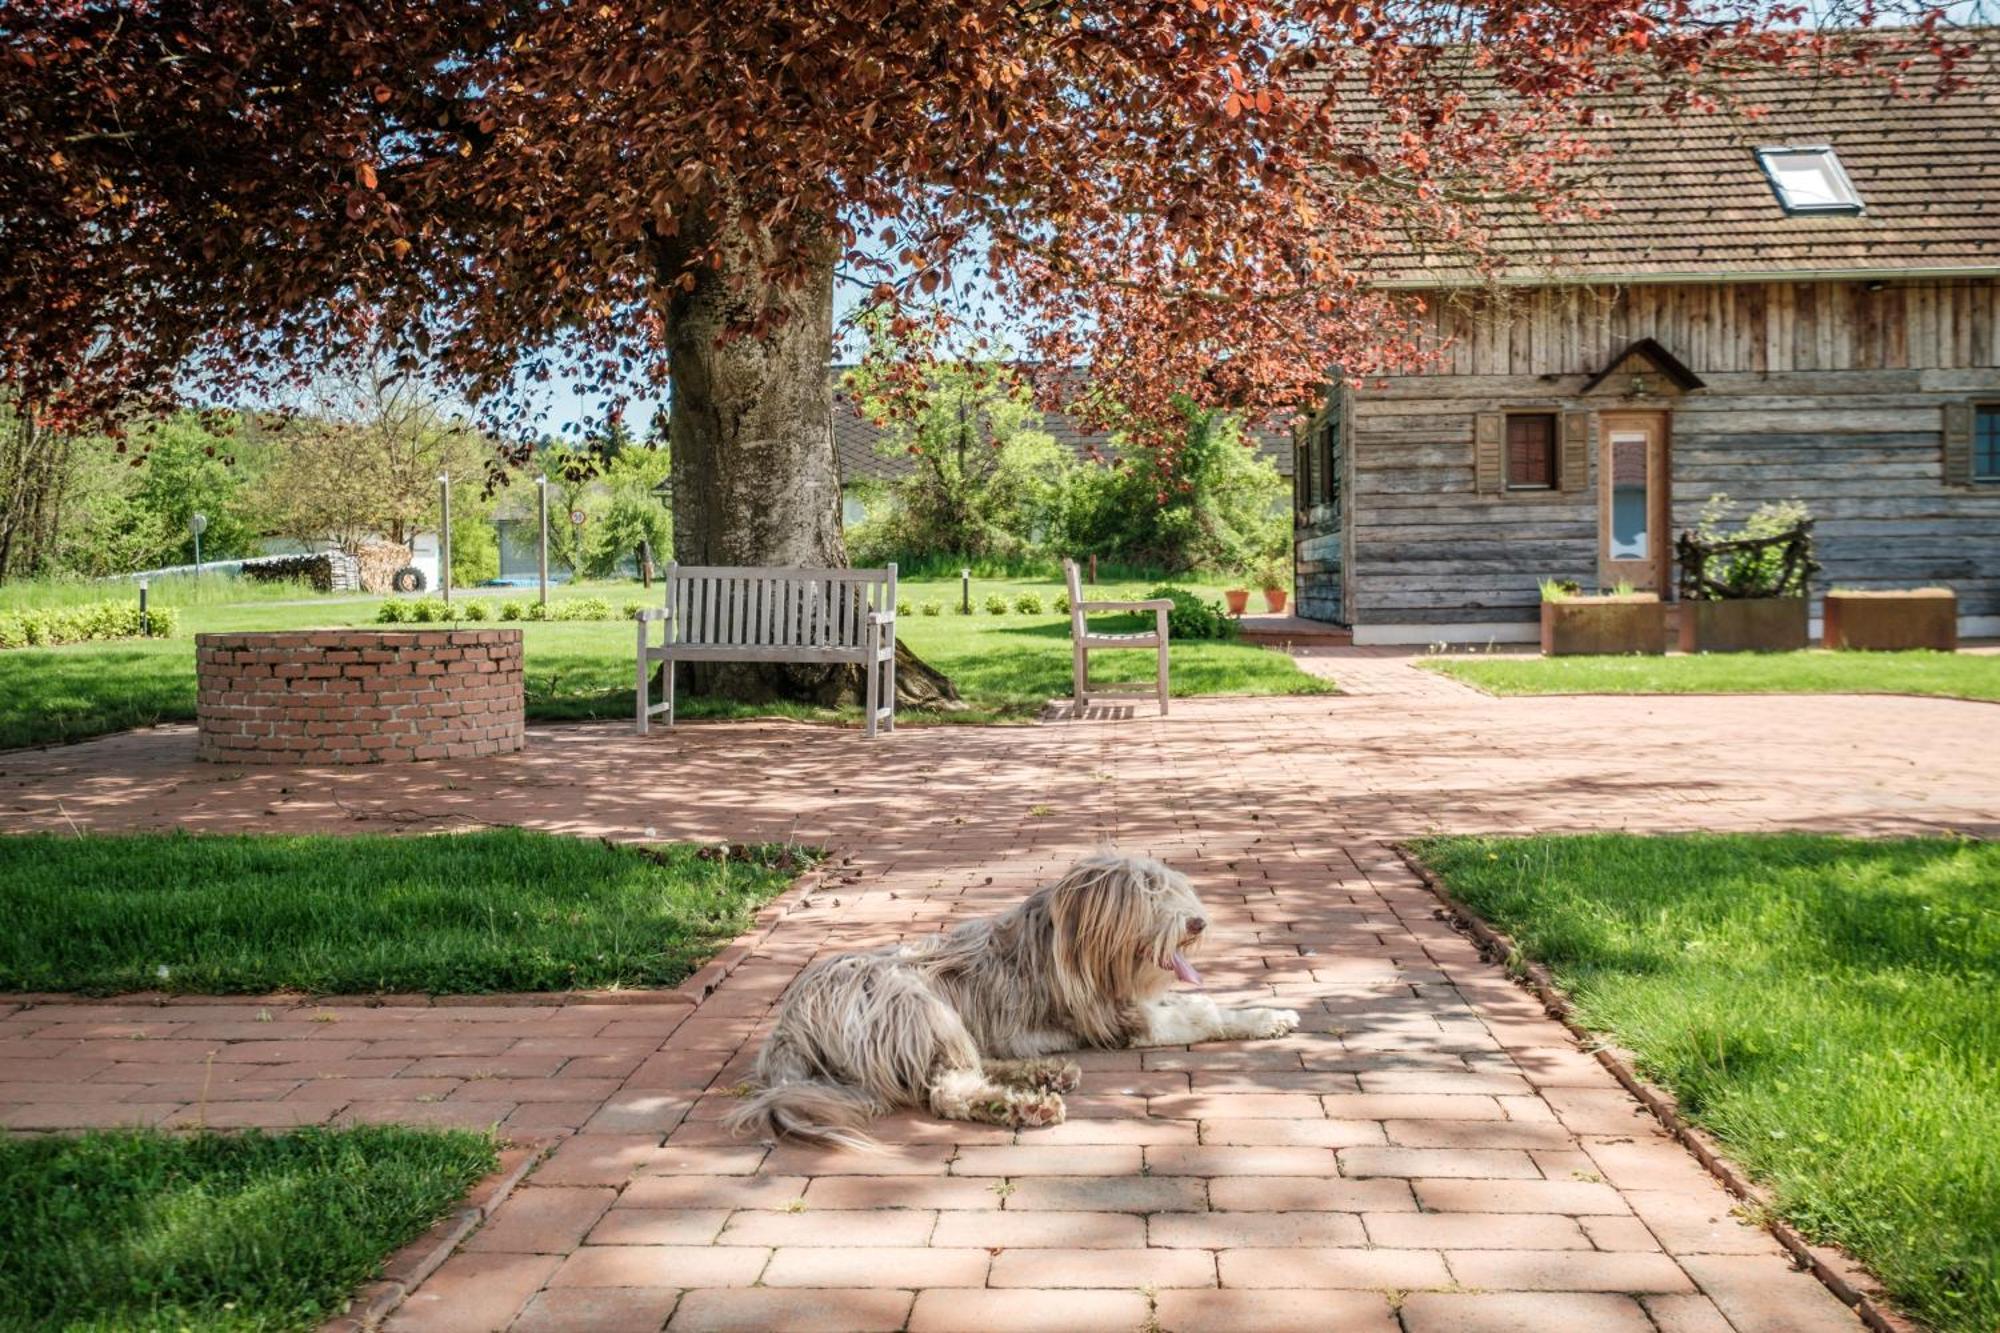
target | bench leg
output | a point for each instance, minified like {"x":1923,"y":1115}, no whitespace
{"x":1163,"y":661}
{"x":667,"y":674}
{"x":643,"y":686}
{"x":874,"y":687}
{"x":889,"y":685}
{"x":1080,"y":679}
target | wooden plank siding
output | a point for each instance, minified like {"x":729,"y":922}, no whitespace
{"x":1826,"y":392}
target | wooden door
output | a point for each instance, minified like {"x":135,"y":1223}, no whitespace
{"x":1634,"y":489}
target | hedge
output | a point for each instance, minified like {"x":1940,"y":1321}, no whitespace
{"x":82,"y":624}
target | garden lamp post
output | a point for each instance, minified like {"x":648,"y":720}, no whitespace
{"x":444,"y":535}
{"x":197,"y":524}
{"x":542,"y":551}
{"x":145,"y":621}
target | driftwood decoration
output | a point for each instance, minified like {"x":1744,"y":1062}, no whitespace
{"x":1725,"y":571}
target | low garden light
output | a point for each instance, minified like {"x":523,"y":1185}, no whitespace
{"x":145,"y":621}
{"x":965,"y":591}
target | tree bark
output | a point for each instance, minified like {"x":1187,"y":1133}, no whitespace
{"x":755,"y":477}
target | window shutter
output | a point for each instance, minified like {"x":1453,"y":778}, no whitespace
{"x":1489,"y":437}
{"x":1958,"y":444}
{"x":1575,"y":466}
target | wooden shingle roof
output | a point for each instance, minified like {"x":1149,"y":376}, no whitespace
{"x":1687,"y":199}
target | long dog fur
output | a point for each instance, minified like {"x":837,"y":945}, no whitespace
{"x":961,"y":1022}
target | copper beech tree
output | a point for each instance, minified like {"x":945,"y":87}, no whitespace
{"x":197,"y":196}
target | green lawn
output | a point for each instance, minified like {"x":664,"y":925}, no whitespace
{"x":1954,"y":675}
{"x":145,"y":1231}
{"x":501,"y":910}
{"x":1006,"y":667}
{"x":1826,"y":1006}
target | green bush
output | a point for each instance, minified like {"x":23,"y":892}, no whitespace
{"x":1193,"y":616}
{"x":394,"y":612}
{"x":537,"y":611}
{"x":996,"y":605}
{"x":88,"y":622}
{"x":432,"y":611}
{"x":960,"y":609}
{"x":631,"y":610}
{"x":1029,"y":603}
{"x":930,"y":608}
{"x":513,"y":610}
{"x":581,"y":608}
{"x":475,"y":610}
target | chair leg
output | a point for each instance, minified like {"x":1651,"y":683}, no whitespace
{"x":874,"y":689}
{"x":1161,"y":623}
{"x":889,"y":685}
{"x":667,"y":670}
{"x":644,"y":684}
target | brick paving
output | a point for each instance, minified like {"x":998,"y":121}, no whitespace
{"x":1428,"y":1152}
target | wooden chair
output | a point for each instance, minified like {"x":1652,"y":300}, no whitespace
{"x":724,"y":614}
{"x":1084,"y":640}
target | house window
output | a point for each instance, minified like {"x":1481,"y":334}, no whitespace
{"x":1531,"y":451}
{"x":1329,"y":465}
{"x":1986,"y":442}
{"x":1809,"y":180}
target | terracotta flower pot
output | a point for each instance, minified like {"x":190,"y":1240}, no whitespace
{"x":1604,"y":626}
{"x":1274,"y":600}
{"x":1236,"y":599}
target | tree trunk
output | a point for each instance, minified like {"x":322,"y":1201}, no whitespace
{"x":755,"y":478}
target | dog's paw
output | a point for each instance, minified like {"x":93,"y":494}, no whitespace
{"x":1037,"y":1111}
{"x":1272,"y":1022}
{"x":1063,"y":1076}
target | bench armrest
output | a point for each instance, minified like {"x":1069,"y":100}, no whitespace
{"x":881,"y":617}
{"x":655,"y":613}
{"x":1155,"y":604}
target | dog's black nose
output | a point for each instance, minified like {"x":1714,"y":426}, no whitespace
{"x":1196,"y":925}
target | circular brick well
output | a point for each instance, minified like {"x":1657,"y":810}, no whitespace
{"x":352,"y":696}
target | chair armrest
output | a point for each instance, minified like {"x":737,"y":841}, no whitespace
{"x":1155,"y":604}
{"x":655,"y":613}
{"x":881,"y":617}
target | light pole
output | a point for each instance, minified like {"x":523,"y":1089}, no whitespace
{"x":542,"y":551}
{"x":145,"y":620}
{"x":965,"y":591}
{"x":197,"y":524}
{"x":444,"y":535}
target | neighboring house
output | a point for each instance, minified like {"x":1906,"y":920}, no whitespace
{"x":1799,"y":306}
{"x":866,"y":467}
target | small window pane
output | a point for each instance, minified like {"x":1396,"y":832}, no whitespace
{"x":1986,"y":444}
{"x":1809,"y":180}
{"x":1629,"y":537}
{"x":1531,"y":452}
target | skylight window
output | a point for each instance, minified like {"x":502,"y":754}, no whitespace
{"x":1809,"y":180}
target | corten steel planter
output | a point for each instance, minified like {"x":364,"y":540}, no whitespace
{"x":1747,"y":625}
{"x":1604,"y":626}
{"x":1892,"y":621}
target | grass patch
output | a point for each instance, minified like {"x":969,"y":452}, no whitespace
{"x":1950,"y":675}
{"x":1006,"y":667}
{"x":502,"y":910}
{"x":137,"y":1230}
{"x":1824,"y":1005}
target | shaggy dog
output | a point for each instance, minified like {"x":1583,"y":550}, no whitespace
{"x":961,"y":1022}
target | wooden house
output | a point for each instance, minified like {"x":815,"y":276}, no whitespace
{"x":1798,"y":306}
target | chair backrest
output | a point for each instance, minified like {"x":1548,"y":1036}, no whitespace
{"x":1074,"y":578}
{"x":736,"y":607}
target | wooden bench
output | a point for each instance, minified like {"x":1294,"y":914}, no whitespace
{"x":716,"y":613}
{"x":1086,"y":640}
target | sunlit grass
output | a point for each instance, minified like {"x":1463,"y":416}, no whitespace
{"x":145,"y":1231}
{"x":497,"y":910}
{"x":1957,"y":675}
{"x":1826,"y":1006}
{"x":1005,"y":667}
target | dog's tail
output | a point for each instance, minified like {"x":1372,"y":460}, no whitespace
{"x":811,"y":1110}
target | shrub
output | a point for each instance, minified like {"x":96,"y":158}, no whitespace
{"x":1194,"y":616}
{"x":930,"y":608}
{"x":581,"y":608}
{"x":1029,"y":603}
{"x":996,"y":605}
{"x":84,"y":623}
{"x":394,"y":612}
{"x":513,"y":610}
{"x":1754,"y":573}
{"x":475,"y":610}
{"x":960,"y":609}
{"x":432,"y":610}
{"x":1062,"y":603}
{"x":631,"y":610}
{"x":538,"y":611}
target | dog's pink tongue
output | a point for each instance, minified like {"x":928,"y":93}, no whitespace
{"x":1183,"y":969}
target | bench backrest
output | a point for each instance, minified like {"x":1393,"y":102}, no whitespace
{"x":737,"y":607}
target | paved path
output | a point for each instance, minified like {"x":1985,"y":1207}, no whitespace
{"x":1429,"y":1152}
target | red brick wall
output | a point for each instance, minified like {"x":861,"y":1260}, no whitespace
{"x":357,"y":696}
